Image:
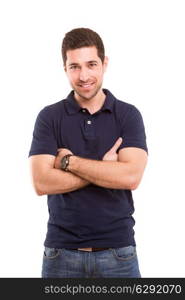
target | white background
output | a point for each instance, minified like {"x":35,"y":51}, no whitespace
{"x":144,"y":40}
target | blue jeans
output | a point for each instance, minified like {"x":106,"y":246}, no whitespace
{"x":112,"y":262}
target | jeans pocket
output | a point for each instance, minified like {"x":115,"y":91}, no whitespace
{"x":124,"y":253}
{"x":50,"y":253}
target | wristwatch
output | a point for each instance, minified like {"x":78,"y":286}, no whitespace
{"x":65,"y":162}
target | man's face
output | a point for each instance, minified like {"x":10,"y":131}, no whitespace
{"x":85,"y":71}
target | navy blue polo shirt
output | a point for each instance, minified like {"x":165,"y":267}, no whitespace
{"x":93,"y":216}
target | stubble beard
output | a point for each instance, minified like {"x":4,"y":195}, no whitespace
{"x":91,"y":96}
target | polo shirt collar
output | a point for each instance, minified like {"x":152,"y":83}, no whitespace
{"x":73,"y":106}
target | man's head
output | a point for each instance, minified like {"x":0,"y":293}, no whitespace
{"x":84,"y":61}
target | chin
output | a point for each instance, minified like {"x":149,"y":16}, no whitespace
{"x":88,"y":95}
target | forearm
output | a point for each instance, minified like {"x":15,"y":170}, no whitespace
{"x":109,"y":174}
{"x":56,"y":181}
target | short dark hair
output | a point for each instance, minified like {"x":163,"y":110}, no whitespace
{"x":82,"y":37}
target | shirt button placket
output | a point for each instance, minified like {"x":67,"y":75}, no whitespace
{"x":89,"y":130}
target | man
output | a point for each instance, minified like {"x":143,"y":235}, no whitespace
{"x":88,"y":153}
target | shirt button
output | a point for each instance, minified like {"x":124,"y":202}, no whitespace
{"x":89,"y":122}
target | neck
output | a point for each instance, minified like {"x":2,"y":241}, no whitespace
{"x":93,"y":104}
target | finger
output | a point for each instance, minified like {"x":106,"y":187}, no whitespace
{"x":116,"y":145}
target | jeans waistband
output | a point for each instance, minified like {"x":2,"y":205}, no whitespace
{"x":89,"y":249}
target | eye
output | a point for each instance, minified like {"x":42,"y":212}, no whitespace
{"x":93,"y":65}
{"x":74,"y":67}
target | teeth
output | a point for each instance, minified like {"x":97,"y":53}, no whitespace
{"x":86,"y":85}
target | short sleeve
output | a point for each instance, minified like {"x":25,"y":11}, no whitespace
{"x":133,"y":130}
{"x":43,"y":141}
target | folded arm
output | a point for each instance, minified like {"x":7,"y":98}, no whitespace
{"x":48,"y":180}
{"x":126,"y":173}
{"x":117,"y":171}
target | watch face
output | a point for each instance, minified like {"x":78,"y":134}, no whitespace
{"x":63,"y":163}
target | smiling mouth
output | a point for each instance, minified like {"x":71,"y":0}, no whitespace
{"x":86,"y":85}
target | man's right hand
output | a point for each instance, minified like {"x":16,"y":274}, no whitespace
{"x":111,"y":154}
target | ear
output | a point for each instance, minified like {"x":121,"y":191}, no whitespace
{"x":105,"y":63}
{"x":65,"y":69}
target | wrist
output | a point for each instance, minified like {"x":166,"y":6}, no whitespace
{"x":64,"y":163}
{"x":72,"y":163}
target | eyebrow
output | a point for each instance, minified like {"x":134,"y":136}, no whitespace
{"x":89,"y":62}
{"x":92,"y":61}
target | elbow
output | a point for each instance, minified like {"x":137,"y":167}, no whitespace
{"x":133,"y":183}
{"x":39,"y":189}
{"x":39,"y":192}
{"x":134,"y":186}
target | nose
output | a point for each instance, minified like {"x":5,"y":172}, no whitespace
{"x":84,"y":75}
